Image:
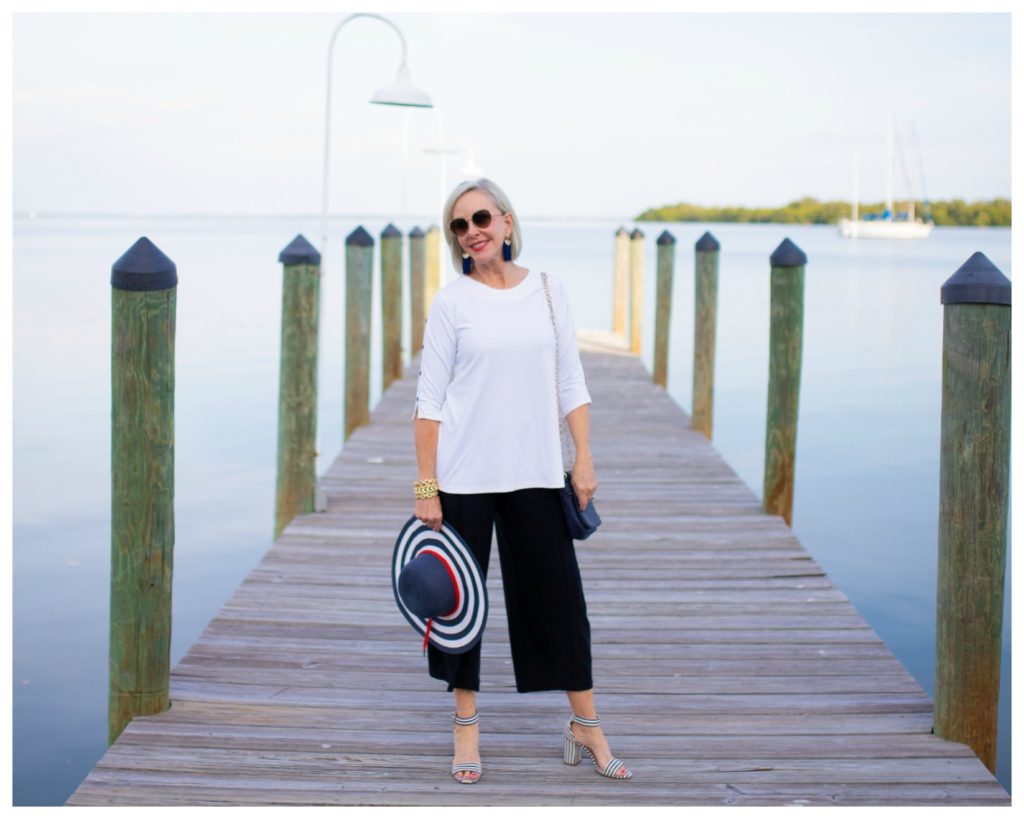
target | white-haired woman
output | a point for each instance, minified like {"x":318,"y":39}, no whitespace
{"x":489,"y":458}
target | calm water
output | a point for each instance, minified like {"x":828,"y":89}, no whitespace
{"x":868,"y":444}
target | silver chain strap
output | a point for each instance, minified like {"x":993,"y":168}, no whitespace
{"x":563,"y":435}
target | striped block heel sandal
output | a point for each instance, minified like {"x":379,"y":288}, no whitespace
{"x":615,"y":769}
{"x":466,"y":767}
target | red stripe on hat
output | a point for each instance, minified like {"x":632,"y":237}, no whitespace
{"x":451,"y":574}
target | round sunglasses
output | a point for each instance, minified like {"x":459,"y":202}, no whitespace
{"x":482,"y":218}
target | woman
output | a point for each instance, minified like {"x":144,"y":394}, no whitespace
{"x":489,"y":455}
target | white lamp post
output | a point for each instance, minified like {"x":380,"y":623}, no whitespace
{"x":470,"y":168}
{"x":443,"y":151}
{"x":401,"y":92}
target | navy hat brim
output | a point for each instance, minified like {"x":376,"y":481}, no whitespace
{"x":458,"y":632}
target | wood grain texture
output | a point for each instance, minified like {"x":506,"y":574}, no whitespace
{"x":391,"y":307}
{"x":436,"y":248}
{"x":729,"y":669}
{"x":296,"y":414}
{"x":974,"y":475}
{"x":663,"y":311}
{"x":636,"y":290}
{"x":705,"y":308}
{"x":142,"y":502}
{"x":358,"y":318}
{"x":620,"y":286}
{"x":417,"y":289}
{"x":784,"y":366}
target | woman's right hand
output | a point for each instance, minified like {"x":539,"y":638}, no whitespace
{"x":428,"y":510}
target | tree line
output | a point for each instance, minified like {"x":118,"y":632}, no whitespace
{"x":810,"y":211}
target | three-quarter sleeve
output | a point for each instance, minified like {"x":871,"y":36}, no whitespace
{"x":572,"y":386}
{"x":436,"y":361}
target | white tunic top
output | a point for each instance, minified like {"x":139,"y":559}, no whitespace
{"x":487,"y":373}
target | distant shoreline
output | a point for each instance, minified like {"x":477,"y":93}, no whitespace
{"x":809,"y":211}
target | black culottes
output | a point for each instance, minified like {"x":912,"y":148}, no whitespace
{"x":547,"y":614}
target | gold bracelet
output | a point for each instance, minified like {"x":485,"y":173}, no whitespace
{"x":425,"y":489}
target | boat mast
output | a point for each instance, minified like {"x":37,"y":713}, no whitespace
{"x":888,"y":176}
{"x":906,"y":178}
{"x":920,"y":161}
{"x":856,"y":190}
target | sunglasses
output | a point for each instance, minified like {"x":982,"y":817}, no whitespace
{"x":482,"y":218}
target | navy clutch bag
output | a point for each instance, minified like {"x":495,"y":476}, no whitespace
{"x":582,"y":524}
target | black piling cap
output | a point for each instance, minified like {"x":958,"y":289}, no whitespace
{"x":360,"y":238}
{"x":299,"y":251}
{"x":788,"y":255}
{"x":144,"y":267}
{"x":391,"y":232}
{"x":666,"y":238}
{"x":416,"y":233}
{"x":637,"y":234}
{"x":707,"y":243}
{"x":978,"y":281}
{"x":622,"y":232}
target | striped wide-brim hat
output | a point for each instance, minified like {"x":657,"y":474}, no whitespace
{"x":439,"y":587}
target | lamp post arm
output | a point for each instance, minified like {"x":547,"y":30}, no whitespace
{"x":405,"y":164}
{"x":327,"y":111}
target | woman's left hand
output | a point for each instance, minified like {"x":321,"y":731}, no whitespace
{"x":584,"y":480}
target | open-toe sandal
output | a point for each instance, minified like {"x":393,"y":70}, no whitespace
{"x":615,"y":769}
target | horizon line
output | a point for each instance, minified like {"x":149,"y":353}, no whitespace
{"x":546,"y":217}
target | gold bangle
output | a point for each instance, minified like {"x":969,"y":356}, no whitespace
{"x":425,"y":489}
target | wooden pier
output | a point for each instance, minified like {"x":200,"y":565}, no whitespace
{"x":729,"y":670}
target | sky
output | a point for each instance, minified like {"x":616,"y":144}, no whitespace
{"x":574,"y":115}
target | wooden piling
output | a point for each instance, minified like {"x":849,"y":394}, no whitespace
{"x":705,"y":321}
{"x":663,"y":306}
{"x":417,"y":286}
{"x":297,"y":398}
{"x":788,"y":264}
{"x":636,"y":288}
{"x":973,"y":494}
{"x":143,"y":306}
{"x":391,"y":304}
{"x":358,"y":300}
{"x":620,"y":290}
{"x":434,"y":242}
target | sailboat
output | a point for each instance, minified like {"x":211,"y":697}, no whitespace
{"x":889,"y":225}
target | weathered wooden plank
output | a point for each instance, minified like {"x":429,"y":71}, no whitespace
{"x":340,"y":635}
{"x":544,"y":768}
{"x":358,"y":732}
{"x":337,"y":781}
{"x":776,"y":675}
{"x":669,"y":704}
{"x":611,"y":598}
{"x":424,"y":716}
{"x":137,"y":791}
{"x":493,"y":648}
{"x":703,"y":684}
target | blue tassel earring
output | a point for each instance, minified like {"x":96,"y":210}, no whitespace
{"x":467,"y":264}
{"x":506,"y":250}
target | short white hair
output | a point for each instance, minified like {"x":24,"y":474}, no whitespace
{"x":501,"y":202}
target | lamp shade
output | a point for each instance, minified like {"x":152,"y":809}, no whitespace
{"x":402,"y":92}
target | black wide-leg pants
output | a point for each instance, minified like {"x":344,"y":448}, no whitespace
{"x":547,"y":614}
